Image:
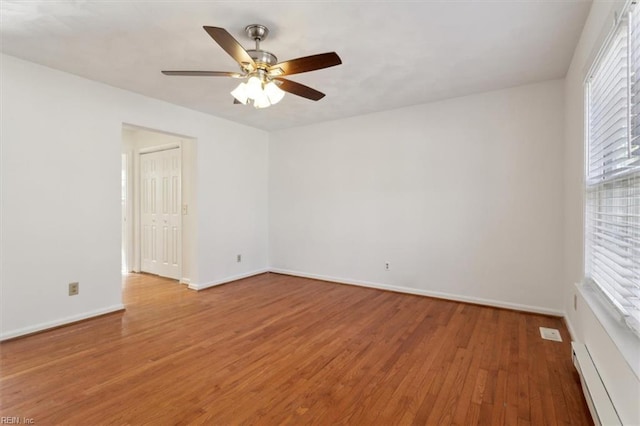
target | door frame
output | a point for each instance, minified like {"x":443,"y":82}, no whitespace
{"x":127,"y":219}
{"x":189,"y":182}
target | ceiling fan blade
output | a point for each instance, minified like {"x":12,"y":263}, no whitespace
{"x":300,"y":89}
{"x":230,"y":45}
{"x":205,"y":73}
{"x":305,"y":64}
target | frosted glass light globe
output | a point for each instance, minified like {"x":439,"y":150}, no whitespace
{"x":240,"y":93}
{"x":274,"y":93}
{"x":254,"y":87}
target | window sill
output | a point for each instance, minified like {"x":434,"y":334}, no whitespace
{"x":624,"y":339}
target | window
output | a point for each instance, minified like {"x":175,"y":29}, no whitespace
{"x":612,"y":220}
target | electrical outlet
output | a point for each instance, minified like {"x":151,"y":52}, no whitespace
{"x":74,"y":289}
{"x":387,"y":266}
{"x":239,"y":258}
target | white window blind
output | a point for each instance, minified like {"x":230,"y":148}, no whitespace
{"x":612,"y":225}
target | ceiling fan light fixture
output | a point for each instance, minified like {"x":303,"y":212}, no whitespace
{"x":262,"y":101}
{"x":259,"y":91}
{"x":273,"y":92}
{"x":240,"y":93}
{"x":254,"y":87}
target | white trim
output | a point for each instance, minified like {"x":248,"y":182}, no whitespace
{"x":428,"y":293}
{"x":572,"y":332}
{"x":627,"y":342}
{"x":159,"y":148}
{"x":203,"y":286}
{"x":135,"y":127}
{"x":57,"y":323}
{"x":600,"y":405}
{"x":185,"y":281}
{"x":605,"y":38}
{"x":130,"y":223}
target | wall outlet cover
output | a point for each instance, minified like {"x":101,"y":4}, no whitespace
{"x":74,"y":289}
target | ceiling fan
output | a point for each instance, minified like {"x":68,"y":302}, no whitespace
{"x":265,"y":84}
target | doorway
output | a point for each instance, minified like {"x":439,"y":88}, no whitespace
{"x":156,"y":197}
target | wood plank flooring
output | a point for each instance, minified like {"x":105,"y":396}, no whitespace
{"x":274,"y":349}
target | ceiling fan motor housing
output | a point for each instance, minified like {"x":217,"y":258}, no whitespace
{"x":262,"y":57}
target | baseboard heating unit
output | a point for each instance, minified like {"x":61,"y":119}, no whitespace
{"x":598,"y":400}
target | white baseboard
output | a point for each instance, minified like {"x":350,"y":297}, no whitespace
{"x":428,"y":293}
{"x":57,"y":323}
{"x":202,"y":286}
{"x":185,"y":281}
{"x":572,"y":333}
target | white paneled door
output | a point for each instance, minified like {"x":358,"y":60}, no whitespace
{"x":160,"y":218}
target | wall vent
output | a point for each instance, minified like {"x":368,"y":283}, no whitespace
{"x":550,"y":334}
{"x":598,"y":400}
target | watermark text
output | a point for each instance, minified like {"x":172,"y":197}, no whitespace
{"x":16,"y":420}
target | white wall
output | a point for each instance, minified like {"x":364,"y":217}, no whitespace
{"x":463,"y":197}
{"x":615,"y":369}
{"x":61,"y":144}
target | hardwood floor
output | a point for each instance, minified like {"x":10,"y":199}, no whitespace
{"x":274,"y":349}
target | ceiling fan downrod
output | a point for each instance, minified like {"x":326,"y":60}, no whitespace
{"x":262,"y":58}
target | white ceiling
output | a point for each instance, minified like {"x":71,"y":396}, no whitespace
{"x":394,"y":54}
